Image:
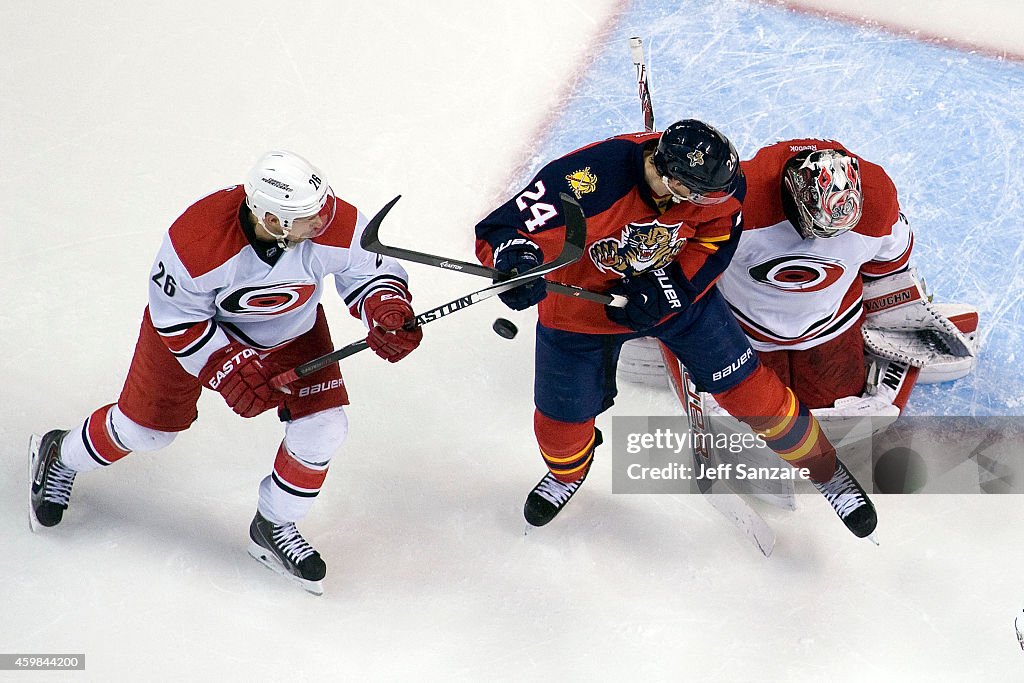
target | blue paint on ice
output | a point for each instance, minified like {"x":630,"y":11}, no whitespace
{"x":947,"y":126}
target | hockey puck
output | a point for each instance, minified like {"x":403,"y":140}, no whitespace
{"x":505,"y":328}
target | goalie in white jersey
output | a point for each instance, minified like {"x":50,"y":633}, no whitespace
{"x":823,"y":266}
{"x":234,"y":298}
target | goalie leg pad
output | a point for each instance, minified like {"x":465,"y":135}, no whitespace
{"x":640,"y":362}
{"x":721,"y":426}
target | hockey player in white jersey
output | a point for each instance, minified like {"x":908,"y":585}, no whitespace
{"x":821,"y":283}
{"x":823,"y":266}
{"x":821,"y":280}
{"x":234,"y":298}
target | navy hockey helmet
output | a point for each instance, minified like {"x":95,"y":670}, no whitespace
{"x":700,"y":157}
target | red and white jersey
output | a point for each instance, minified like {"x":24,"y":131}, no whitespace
{"x":793,"y":293}
{"x":210,"y":284}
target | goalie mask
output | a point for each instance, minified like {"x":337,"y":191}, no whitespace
{"x":292,"y":189}
{"x":822,"y":193}
{"x":698,"y":156}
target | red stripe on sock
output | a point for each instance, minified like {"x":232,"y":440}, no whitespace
{"x":100,"y":442}
{"x":296,"y":474}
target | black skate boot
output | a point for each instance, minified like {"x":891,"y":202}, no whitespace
{"x":51,"y":481}
{"x":550,"y":495}
{"x":851,"y":503}
{"x":282,"y":548}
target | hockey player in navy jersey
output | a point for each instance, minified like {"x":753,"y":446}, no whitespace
{"x":663,"y":222}
{"x":234,"y":298}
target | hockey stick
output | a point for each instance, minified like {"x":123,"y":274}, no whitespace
{"x":636,"y":49}
{"x":572,"y":251}
{"x":729,"y":503}
{"x":370,"y":241}
{"x":732,"y":506}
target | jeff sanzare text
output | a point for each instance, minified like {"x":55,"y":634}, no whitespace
{"x":720,"y":471}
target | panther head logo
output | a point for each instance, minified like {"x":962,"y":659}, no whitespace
{"x":640,"y":247}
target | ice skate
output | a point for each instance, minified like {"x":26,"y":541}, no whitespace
{"x":548,"y":498}
{"x":550,"y":495}
{"x":50,"y":481}
{"x":283,"y":549}
{"x":851,"y":503}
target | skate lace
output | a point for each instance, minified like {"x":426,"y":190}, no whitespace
{"x":59,"y":483}
{"x":555,"y":491}
{"x":842,"y":493}
{"x":291,"y":542}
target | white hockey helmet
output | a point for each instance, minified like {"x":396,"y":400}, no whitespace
{"x":825,"y":188}
{"x":289,"y":187}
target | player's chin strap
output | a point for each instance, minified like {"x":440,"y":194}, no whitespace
{"x":903,"y":325}
{"x":676,"y":197}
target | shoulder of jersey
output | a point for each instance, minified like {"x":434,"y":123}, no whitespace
{"x":763,"y":207}
{"x":342,"y":228}
{"x":208,"y":234}
{"x":598,"y":174}
{"x":881,"y":203}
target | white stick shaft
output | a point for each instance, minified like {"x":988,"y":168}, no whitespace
{"x":636,"y":49}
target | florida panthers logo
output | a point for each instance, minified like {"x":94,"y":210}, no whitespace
{"x":582,"y":182}
{"x":798,"y":273}
{"x":268,"y":299}
{"x":641,"y":247}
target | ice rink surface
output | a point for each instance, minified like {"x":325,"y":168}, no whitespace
{"x":117,"y":116}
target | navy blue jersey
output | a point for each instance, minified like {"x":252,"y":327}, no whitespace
{"x":629,"y":231}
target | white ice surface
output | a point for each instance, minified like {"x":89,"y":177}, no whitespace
{"x":115,"y":117}
{"x":992,"y":26}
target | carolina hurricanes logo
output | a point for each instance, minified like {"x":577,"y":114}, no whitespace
{"x":798,"y":273}
{"x":268,"y":299}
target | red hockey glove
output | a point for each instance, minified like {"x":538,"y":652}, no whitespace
{"x":388,"y":313}
{"x":238,"y":374}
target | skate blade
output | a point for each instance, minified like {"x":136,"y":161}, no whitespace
{"x":33,"y":456}
{"x":270,"y":561}
{"x":874,"y":539}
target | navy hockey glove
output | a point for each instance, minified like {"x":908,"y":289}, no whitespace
{"x":515,"y":257}
{"x":651,"y":296}
{"x":239,"y":375}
